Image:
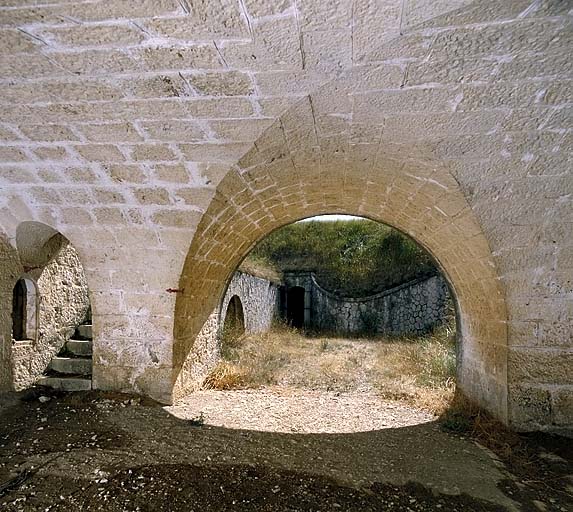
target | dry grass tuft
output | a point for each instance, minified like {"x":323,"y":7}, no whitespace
{"x":225,"y":376}
{"x":418,"y":371}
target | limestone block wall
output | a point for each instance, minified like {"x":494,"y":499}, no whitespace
{"x":63,"y":303}
{"x":164,"y":139}
{"x":411,"y":308}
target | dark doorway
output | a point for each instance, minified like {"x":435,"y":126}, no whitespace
{"x":24,"y":310}
{"x":295,"y":306}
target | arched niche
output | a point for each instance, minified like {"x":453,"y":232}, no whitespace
{"x":234,"y":320}
{"x":54,"y":280}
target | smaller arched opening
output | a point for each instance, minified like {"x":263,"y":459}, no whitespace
{"x":295,"y":306}
{"x":49,"y":305}
{"x":25,"y":301}
{"x":234,"y":325}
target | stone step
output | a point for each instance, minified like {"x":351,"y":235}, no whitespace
{"x":66,"y":383}
{"x":71,"y":365}
{"x":80,"y":347}
{"x":85,"y":331}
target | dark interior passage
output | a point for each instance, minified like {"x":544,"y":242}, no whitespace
{"x":19,"y":310}
{"x":295,"y":306}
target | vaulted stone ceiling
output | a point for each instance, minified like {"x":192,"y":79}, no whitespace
{"x":124,"y":122}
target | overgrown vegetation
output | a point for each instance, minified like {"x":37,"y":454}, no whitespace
{"x":418,"y":371}
{"x":354,"y":258}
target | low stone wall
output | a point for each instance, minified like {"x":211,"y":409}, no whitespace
{"x":411,"y":308}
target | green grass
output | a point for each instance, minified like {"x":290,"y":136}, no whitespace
{"x":353,"y":258}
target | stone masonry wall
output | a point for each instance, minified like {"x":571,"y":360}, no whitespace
{"x":64,"y":301}
{"x":164,"y":139}
{"x":411,"y":308}
{"x":258,"y":297}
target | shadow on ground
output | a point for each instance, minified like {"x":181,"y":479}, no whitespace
{"x":96,"y":452}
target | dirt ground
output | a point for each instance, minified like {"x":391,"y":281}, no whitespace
{"x":260,"y":450}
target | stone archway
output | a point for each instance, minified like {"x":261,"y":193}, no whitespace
{"x":292,"y":172}
{"x":234,"y":322}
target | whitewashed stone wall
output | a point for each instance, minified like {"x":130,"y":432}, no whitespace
{"x":412,"y":308}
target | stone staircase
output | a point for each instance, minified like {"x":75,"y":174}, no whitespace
{"x":71,"y":369}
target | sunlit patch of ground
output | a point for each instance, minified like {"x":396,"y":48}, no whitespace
{"x":296,"y":410}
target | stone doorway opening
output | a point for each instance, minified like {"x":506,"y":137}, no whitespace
{"x":295,"y":306}
{"x":25,"y":303}
{"x":234,"y":324}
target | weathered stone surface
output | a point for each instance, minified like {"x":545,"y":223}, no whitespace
{"x":66,"y":383}
{"x":449,"y":120}
{"x":412,"y":308}
{"x":562,"y":407}
{"x":232,"y":83}
{"x":110,"y":132}
{"x":80,"y":347}
{"x":180,"y":57}
{"x":530,"y":406}
{"x":71,"y":365}
{"x":96,"y":35}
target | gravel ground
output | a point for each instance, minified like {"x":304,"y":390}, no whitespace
{"x":268,"y":450}
{"x":296,"y":410}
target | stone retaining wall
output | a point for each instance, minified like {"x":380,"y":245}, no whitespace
{"x":412,"y":308}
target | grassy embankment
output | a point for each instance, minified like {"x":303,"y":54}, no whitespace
{"x":352,"y":258}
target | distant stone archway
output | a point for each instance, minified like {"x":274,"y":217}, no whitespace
{"x":234,"y":323}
